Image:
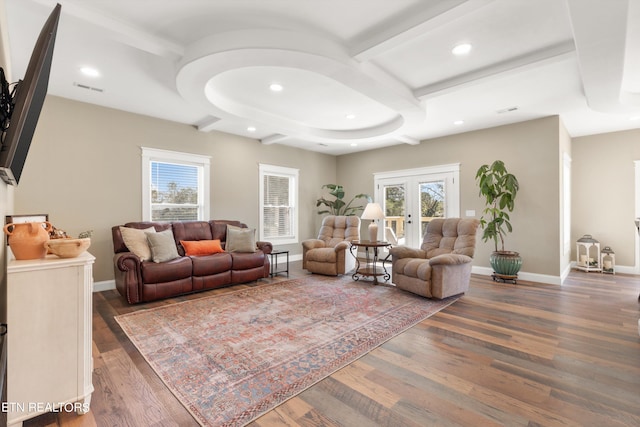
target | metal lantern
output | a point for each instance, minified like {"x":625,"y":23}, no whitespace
{"x":588,"y":253}
{"x":608,"y":260}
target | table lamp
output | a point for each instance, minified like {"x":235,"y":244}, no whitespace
{"x":373,"y":211}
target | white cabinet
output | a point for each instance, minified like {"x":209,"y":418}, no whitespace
{"x":49,"y":321}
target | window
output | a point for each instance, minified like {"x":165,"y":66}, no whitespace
{"x":175,"y":186}
{"x":278,"y":204}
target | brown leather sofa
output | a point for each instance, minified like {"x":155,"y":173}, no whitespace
{"x":142,"y":281}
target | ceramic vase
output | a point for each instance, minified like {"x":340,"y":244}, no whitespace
{"x":27,"y":240}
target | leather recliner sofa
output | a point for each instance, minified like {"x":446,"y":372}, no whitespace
{"x":143,"y":281}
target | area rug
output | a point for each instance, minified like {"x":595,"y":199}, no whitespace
{"x":229,"y":358}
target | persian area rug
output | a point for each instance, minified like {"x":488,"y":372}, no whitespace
{"x":229,"y":358}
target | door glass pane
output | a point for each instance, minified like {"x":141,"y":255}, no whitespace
{"x":394,"y":211}
{"x":432,"y":202}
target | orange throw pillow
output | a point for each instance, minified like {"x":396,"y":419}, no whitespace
{"x":201,"y":247}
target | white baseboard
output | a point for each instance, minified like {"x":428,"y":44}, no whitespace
{"x":522,"y":275}
{"x":548,"y":279}
{"x":105,"y":285}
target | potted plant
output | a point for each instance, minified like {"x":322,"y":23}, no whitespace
{"x":499,"y":188}
{"x":338,"y":206}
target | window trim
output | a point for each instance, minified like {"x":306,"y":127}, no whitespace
{"x":157,"y":155}
{"x":293,"y":175}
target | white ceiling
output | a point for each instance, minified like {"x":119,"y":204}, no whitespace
{"x":209,"y":63}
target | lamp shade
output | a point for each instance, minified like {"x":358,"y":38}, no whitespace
{"x":372,"y":211}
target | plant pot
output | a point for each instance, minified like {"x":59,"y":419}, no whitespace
{"x":506,"y":264}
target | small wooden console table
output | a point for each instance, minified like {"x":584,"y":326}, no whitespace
{"x":373,"y":267}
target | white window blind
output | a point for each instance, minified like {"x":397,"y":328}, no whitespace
{"x":174,"y":192}
{"x":278,"y":199}
{"x":175,"y":186}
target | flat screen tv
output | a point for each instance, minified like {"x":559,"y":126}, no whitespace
{"x":28,"y":99}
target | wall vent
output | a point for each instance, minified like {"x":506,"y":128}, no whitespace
{"x":95,"y":89}
{"x":508,"y":109}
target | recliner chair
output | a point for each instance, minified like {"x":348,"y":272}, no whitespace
{"x":329,"y":254}
{"x":442,"y":265}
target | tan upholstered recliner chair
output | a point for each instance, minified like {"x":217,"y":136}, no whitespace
{"x":442,"y":265}
{"x":329,"y":254}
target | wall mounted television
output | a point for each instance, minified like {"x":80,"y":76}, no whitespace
{"x":27,"y":103}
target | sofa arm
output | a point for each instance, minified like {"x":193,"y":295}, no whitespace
{"x":342,"y":246}
{"x":265,"y":247}
{"x":128,"y":276}
{"x":449,"y":259}
{"x":398,"y":252}
{"x":126,"y":261}
{"x":312,"y":244}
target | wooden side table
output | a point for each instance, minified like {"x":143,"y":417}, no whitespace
{"x":372,"y":267}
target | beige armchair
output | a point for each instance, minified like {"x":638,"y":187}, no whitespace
{"x":442,"y":265}
{"x":329,"y":253}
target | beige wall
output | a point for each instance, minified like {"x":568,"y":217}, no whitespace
{"x":84,"y":170}
{"x":529,"y":150}
{"x":603,"y":201}
{"x":86,"y":173}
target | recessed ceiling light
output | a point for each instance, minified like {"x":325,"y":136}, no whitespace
{"x":354,"y":144}
{"x":276,"y":87}
{"x":458,"y":122}
{"x":350,"y":116}
{"x":251,"y":129}
{"x":461,"y":49}
{"x":89,"y":71}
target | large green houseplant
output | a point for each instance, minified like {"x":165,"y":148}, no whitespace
{"x":337,"y":205}
{"x":499,"y":188}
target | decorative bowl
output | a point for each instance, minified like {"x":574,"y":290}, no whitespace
{"x":68,"y":248}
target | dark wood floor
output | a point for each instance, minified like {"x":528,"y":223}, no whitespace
{"x":503,"y":355}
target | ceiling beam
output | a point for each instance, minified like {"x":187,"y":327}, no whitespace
{"x":536,"y":58}
{"x":600,"y":33}
{"x":411,"y":24}
{"x":123,"y":32}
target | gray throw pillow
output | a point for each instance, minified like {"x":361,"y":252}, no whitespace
{"x":240,"y":239}
{"x":163,"y":247}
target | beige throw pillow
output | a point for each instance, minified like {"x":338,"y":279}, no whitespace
{"x":163,"y":247}
{"x":136,"y":241}
{"x":240,"y":239}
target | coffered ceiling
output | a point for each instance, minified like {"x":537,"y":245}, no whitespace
{"x":354,"y":74}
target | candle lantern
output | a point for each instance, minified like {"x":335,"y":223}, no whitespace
{"x":608,"y":260}
{"x":588,"y":253}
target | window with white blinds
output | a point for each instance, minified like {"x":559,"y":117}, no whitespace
{"x":278,"y":204}
{"x":175,"y":186}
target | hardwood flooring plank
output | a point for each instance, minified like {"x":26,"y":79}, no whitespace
{"x":434,"y":398}
{"x":133,"y":388}
{"x":354,"y":376}
{"x":529,"y":354}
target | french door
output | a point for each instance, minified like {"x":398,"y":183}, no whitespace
{"x":411,"y":198}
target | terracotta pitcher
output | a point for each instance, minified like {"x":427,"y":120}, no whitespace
{"x":26,"y":240}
